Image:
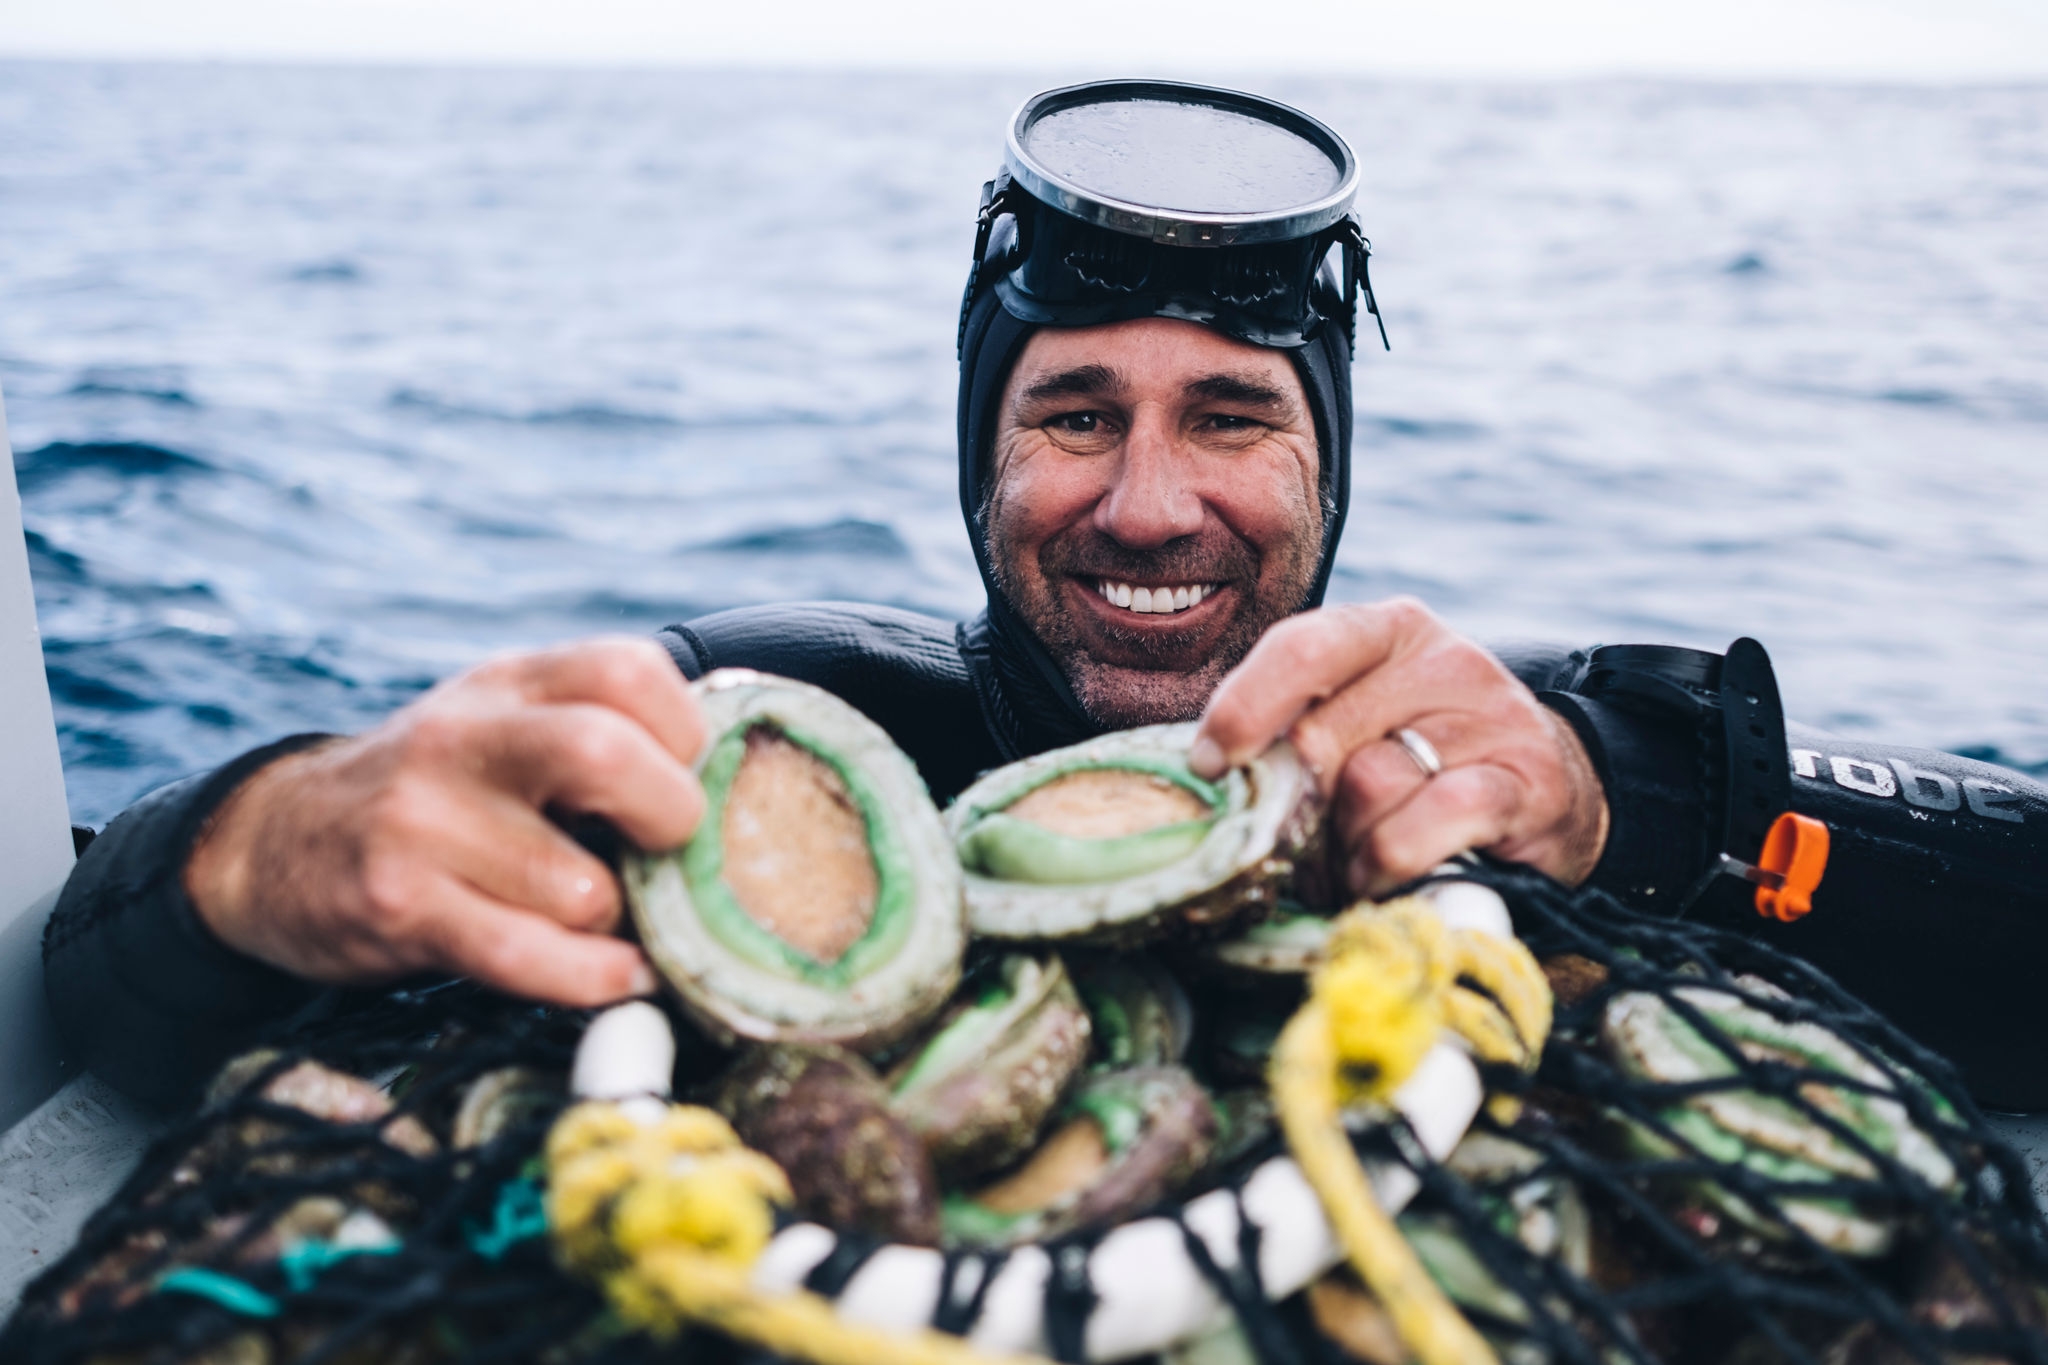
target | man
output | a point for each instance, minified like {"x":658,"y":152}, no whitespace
{"x":1154,"y":456}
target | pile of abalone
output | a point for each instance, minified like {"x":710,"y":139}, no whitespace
{"x":950,"y":1030}
{"x":1134,"y":944}
{"x":1013,"y":1061}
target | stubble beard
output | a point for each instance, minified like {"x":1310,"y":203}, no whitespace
{"x":1154,"y":678}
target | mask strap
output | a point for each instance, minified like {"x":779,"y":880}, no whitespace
{"x":1357,"y":275}
{"x":995,"y":202}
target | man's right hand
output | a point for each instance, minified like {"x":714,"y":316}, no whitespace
{"x":421,"y":845}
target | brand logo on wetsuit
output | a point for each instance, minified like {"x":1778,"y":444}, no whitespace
{"x":1924,"y":788}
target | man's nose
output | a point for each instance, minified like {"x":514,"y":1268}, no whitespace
{"x":1152,"y":500}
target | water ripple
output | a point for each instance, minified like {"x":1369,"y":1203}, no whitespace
{"x":126,"y":459}
{"x":439,"y":363}
{"x":847,"y":536}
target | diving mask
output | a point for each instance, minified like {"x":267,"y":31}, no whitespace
{"x":1128,"y":199}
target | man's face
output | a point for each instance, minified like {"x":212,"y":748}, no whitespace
{"x":1152,"y":463}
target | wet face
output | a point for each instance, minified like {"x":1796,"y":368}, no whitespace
{"x":1153,"y":508}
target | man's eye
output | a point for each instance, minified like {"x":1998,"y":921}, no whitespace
{"x":1230,"y":421}
{"x":1080,"y":423}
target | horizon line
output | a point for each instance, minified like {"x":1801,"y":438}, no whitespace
{"x":1238,"y":74}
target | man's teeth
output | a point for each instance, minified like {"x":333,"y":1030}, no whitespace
{"x":1156,"y":600}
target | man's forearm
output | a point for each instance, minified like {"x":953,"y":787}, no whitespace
{"x":143,"y":993}
{"x":1934,"y":906}
{"x":421,"y":846}
{"x":1935,"y":903}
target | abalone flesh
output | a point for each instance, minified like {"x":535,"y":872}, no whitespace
{"x":1116,"y":840}
{"x":819,"y":901}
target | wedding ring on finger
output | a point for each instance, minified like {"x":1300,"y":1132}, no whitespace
{"x":1421,"y":750}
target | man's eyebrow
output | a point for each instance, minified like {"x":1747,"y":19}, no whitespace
{"x":1250,"y":390}
{"x":1083,"y":381}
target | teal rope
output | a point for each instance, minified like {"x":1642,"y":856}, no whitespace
{"x":237,"y":1296}
{"x":519,"y":1217}
{"x":303,"y":1264}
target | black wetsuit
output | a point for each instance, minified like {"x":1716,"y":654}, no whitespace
{"x":1934,"y":908}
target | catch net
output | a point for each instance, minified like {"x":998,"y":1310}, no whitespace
{"x":1722,"y":1157}
{"x":361,"y":1189}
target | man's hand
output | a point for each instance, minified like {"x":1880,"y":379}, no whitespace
{"x":1340,"y":681}
{"x":421,"y":844}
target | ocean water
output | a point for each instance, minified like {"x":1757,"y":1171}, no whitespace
{"x":326,"y":383}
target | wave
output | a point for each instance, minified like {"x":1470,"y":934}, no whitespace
{"x":92,"y":691}
{"x":96,"y":748}
{"x":337,"y":271}
{"x":103,"y":388}
{"x":48,"y":564}
{"x":846,"y":536}
{"x":1921,"y":398}
{"x":126,"y":459}
{"x":1422,"y":428}
{"x":605,"y":416}
{"x":601,"y":416}
{"x":504,"y":528}
{"x":607,"y":606}
{"x":598,"y":415}
{"x":140,"y":708}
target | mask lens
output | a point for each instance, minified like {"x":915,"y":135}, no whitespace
{"x":1185,"y":165}
{"x":1181,"y":157}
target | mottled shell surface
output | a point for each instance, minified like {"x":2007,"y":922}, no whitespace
{"x":1649,"y":1039}
{"x":985,"y":1106}
{"x":824,"y":1117}
{"x":1142,"y":1015}
{"x":1174,"y":1132}
{"x":1289,"y":943}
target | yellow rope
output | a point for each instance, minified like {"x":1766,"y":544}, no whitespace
{"x":1388,"y":985}
{"x":1507,"y":1019}
{"x":1382,"y":984}
{"x":1510,"y":1021}
{"x":669,"y":1218}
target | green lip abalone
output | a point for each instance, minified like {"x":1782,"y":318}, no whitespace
{"x":1727,"y":1119}
{"x":979,"y":1088}
{"x":1123,"y":1141}
{"x":824,"y":1117}
{"x":819,"y":901}
{"x":1115,"y":840}
{"x":1286,"y":944}
{"x":1141,"y":1015}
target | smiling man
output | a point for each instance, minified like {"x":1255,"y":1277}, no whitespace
{"x":1156,"y":504}
{"x":1154,"y":507}
{"x":1154,"y":442}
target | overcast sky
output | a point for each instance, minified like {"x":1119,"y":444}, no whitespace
{"x":1936,"y":40}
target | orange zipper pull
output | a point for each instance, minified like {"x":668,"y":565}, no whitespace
{"x":1796,"y":854}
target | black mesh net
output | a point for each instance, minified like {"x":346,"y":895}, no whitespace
{"x":1723,"y":1157}
{"x":225,"y":1192}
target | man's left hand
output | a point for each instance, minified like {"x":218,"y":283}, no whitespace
{"x":1340,"y":682}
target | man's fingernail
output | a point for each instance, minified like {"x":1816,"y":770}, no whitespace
{"x":1206,"y":758}
{"x":644,"y":980}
